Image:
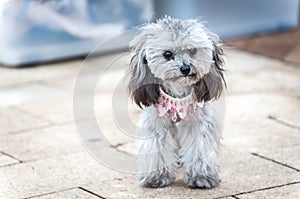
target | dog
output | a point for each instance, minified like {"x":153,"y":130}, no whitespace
{"x":175,"y":72}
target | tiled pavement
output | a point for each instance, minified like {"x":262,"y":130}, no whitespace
{"x":41,"y":155}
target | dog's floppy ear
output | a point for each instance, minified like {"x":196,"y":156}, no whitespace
{"x":212,"y":84}
{"x":142,"y":86}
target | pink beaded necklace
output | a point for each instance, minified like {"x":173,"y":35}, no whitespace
{"x":168,"y":106}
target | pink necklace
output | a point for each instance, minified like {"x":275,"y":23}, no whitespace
{"x":168,"y":106}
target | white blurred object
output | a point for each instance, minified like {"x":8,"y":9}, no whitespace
{"x":41,"y":30}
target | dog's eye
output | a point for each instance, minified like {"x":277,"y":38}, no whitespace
{"x":145,"y":60}
{"x":168,"y":55}
{"x":193,"y":51}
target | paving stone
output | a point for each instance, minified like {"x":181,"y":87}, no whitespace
{"x":45,"y":102}
{"x":117,"y":126}
{"x":249,"y":128}
{"x":42,"y":143}
{"x":105,"y":82}
{"x":117,"y":134}
{"x":229,"y":197}
{"x":284,"y":154}
{"x":104,"y":147}
{"x":53,"y":175}
{"x":95,"y":67}
{"x":259,"y":74}
{"x":117,"y":123}
{"x":29,"y":93}
{"x":238,"y":175}
{"x":11,"y":77}
{"x":56,"y":110}
{"x":245,"y":62}
{"x":128,"y":147}
{"x":284,"y":79}
{"x":256,"y":107}
{"x":288,"y":191}
{"x":6,"y":160}
{"x":59,"y":109}
{"x":117,"y":116}
{"x":72,"y":193}
{"x":13,"y":120}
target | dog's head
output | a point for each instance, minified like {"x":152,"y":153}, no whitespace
{"x":173,"y":50}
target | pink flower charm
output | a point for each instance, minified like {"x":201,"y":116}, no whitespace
{"x":181,"y":110}
{"x":186,"y":118}
{"x":189,"y":107}
{"x":166,"y":115}
{"x":157,"y":111}
{"x":172,"y":109}
{"x":196,"y":108}
{"x":163,"y":105}
{"x":174,"y":118}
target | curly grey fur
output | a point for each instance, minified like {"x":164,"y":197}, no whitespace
{"x":194,"y":143}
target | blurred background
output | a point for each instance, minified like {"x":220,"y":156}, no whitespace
{"x":45,"y":30}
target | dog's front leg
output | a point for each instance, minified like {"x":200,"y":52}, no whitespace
{"x":157,"y":150}
{"x":200,"y":151}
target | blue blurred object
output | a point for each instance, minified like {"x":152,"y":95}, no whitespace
{"x":32,"y":31}
{"x":231,"y":18}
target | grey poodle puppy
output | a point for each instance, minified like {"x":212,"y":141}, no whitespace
{"x":176,"y":71}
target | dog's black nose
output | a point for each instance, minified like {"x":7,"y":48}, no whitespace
{"x":185,"y":69}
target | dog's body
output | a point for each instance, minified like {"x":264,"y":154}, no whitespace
{"x":175,"y":72}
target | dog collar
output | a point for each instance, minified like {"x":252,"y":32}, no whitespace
{"x":177,"y":108}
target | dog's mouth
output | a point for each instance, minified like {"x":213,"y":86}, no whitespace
{"x":193,"y":75}
{"x":189,"y":77}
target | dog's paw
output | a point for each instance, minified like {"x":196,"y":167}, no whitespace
{"x":202,"y":182}
{"x":155,"y":181}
